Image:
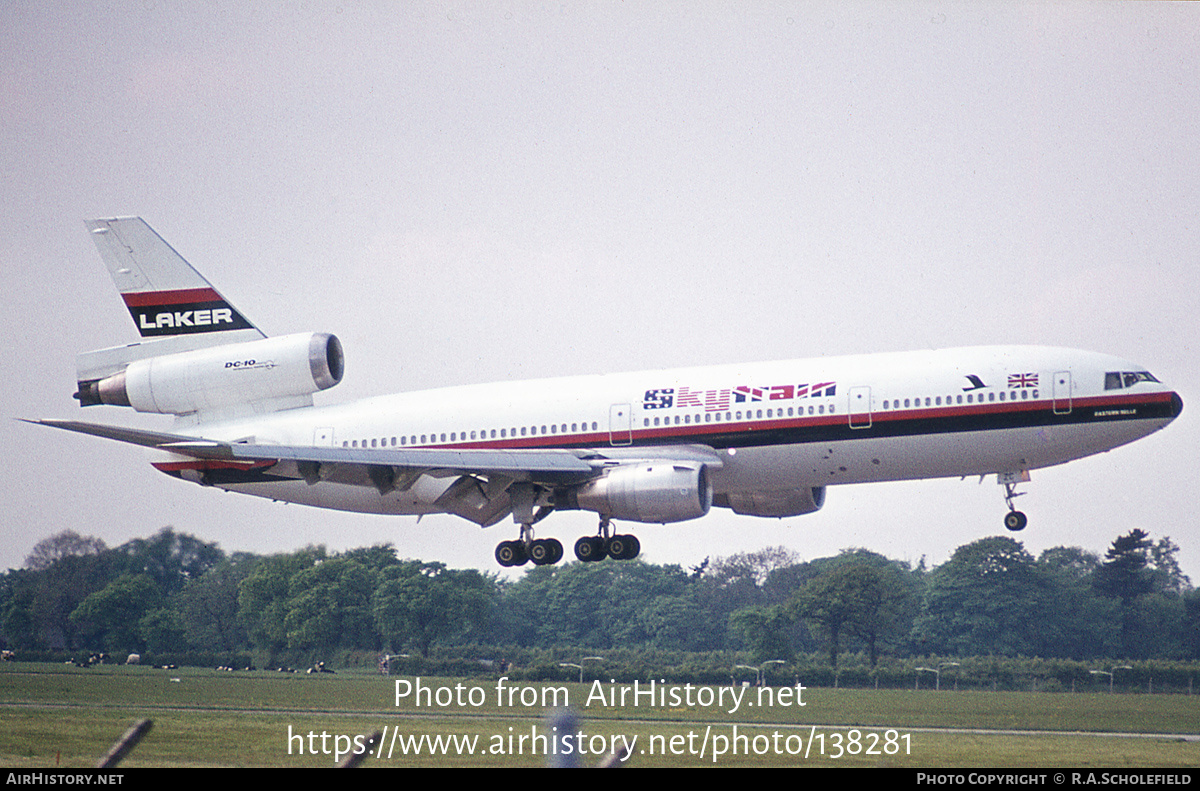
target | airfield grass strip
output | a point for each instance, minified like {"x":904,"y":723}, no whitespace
{"x":51,"y":717}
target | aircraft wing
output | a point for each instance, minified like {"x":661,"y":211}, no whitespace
{"x":552,"y":466}
{"x":548,"y":466}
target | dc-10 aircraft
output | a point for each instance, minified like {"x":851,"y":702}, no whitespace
{"x":763,"y":439}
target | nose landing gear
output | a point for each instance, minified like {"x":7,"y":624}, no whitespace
{"x":1014,"y":520}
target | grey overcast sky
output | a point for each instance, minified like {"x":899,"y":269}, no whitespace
{"x":481,"y":191}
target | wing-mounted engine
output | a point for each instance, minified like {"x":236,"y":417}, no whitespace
{"x":657,"y":491}
{"x":788,"y":502}
{"x":273,"y":373}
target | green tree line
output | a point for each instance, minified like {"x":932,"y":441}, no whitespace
{"x":173,"y":593}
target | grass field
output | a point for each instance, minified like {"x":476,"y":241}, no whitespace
{"x":62,"y":716}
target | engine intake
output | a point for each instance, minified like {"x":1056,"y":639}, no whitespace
{"x":271,"y":369}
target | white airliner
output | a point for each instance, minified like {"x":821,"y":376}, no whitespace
{"x":763,"y":439}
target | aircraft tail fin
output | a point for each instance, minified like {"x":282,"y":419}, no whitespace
{"x":164,"y":294}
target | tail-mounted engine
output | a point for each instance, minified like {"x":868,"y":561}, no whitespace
{"x":282,"y":372}
{"x":662,"y":492}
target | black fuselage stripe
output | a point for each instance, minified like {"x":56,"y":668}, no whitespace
{"x":889,"y":425}
{"x":761,"y":432}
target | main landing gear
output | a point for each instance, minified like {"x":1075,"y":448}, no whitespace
{"x":542,"y":551}
{"x":548,"y":551}
{"x":607,"y":545}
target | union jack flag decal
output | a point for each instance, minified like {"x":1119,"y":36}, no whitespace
{"x":1022,"y":380}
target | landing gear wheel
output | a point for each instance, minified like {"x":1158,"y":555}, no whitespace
{"x":511,"y":553}
{"x":590,"y":549}
{"x":1015,"y":521}
{"x":545,"y":551}
{"x":623,"y":547}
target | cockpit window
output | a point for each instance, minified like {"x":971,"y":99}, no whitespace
{"x":1115,"y":380}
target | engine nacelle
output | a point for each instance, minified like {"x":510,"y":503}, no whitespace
{"x":271,"y":370}
{"x":789,"y":502}
{"x":661,"y":491}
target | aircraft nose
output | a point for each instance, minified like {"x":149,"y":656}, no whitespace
{"x":1176,"y":405}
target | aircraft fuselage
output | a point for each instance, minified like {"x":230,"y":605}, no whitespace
{"x":776,"y":426}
